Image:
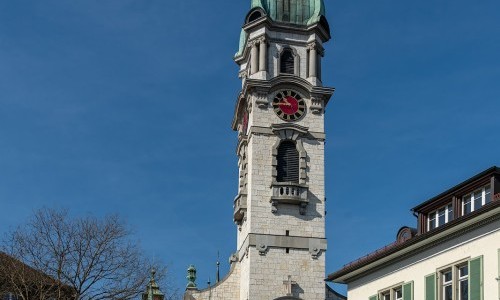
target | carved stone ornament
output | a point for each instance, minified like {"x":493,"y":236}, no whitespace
{"x":274,"y":206}
{"x":242,"y":74}
{"x":252,"y":43}
{"x":233,"y":258}
{"x":261,"y":100}
{"x":262,"y":249}
{"x":316,"y":105}
{"x":315,"y":252}
{"x":312,"y":46}
{"x":261,"y":39}
{"x":316,"y":46}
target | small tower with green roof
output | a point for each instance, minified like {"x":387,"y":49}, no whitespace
{"x":152,"y":289}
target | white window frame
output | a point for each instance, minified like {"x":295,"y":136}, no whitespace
{"x":485,"y":190}
{"x":435,"y":216}
{"x":461,"y":279}
{"x":455,"y":281}
{"x":391,"y":292}
{"x":395,"y":293}
{"x":446,"y":283}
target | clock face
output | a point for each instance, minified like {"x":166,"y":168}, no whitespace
{"x":289,"y":105}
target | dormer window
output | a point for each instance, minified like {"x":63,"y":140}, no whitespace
{"x":475,"y":200}
{"x":439,"y":217}
{"x":287,"y":62}
{"x":254,"y":16}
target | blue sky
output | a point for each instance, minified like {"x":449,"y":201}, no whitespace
{"x":124,"y":106}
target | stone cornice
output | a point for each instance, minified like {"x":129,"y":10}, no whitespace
{"x":263,"y":242}
{"x":270,"y":132}
{"x":289,"y":126}
{"x":281,"y":27}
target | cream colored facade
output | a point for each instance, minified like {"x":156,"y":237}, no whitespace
{"x":482,"y":242}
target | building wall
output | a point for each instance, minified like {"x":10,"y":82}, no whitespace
{"x":226,"y":289}
{"x":483,"y":241}
{"x":293,"y":239}
{"x":269,"y":272}
{"x":266,"y":273}
{"x":260,"y":218}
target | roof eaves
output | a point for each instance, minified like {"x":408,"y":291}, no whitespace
{"x":492,"y":170}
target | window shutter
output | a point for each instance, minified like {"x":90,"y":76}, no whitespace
{"x":476,"y":278}
{"x":408,"y":291}
{"x":375,"y":297}
{"x":288,"y":162}
{"x":430,"y":287}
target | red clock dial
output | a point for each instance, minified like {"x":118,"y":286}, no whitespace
{"x":289,"y":105}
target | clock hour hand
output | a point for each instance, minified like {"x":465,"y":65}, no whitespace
{"x":285,"y":102}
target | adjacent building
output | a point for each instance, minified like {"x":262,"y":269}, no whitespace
{"x":20,"y":281}
{"x":453,"y":253}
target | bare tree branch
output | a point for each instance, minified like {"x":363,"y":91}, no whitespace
{"x":57,"y":257}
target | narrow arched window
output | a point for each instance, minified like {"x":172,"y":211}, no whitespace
{"x":287,"y":62}
{"x":288,"y":162}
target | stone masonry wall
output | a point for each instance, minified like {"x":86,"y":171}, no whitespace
{"x":270,"y":271}
{"x":227,"y":289}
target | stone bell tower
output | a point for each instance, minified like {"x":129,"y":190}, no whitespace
{"x":279,"y":210}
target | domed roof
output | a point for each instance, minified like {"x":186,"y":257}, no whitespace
{"x":296,"y":12}
{"x":300,"y":12}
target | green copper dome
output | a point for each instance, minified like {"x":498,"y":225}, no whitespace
{"x":300,"y":12}
{"x":296,"y":12}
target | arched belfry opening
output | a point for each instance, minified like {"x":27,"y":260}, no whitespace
{"x":287,"y":61}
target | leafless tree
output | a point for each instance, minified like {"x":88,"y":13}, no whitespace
{"x":57,"y":257}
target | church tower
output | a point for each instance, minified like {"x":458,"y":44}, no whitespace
{"x":279,"y":210}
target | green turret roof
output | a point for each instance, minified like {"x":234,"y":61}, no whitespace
{"x":153,"y":290}
{"x":300,"y":12}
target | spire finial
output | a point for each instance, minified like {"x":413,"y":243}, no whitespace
{"x":217,"y":275}
{"x":153,"y":290}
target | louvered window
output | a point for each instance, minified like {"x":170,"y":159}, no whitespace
{"x":288,"y":162}
{"x":287,"y":62}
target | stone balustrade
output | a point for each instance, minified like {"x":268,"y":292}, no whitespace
{"x":240,"y":208}
{"x":289,"y":193}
